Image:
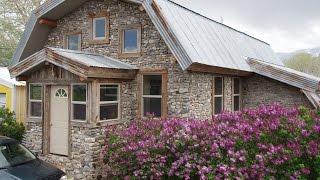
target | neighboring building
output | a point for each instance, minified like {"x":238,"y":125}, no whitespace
{"x":13,"y":94}
{"x":92,"y":63}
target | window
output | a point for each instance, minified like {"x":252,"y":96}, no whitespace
{"x":236,"y":100}
{"x":152,"y":95}
{"x":79,"y":102}
{"x":130,"y":41}
{"x":99,"y":30}
{"x":3,"y":100}
{"x":61,"y":93}
{"x":35,"y":100}
{"x":109,"y":102}
{"x":73,"y":41}
{"x":218,"y":95}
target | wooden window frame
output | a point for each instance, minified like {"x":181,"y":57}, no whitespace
{"x":110,"y":102}
{"x":66,"y":40}
{"x":234,"y":95}
{"x":164,"y":106}
{"x":92,"y":18}
{"x":216,"y":96}
{"x":34,"y":100}
{"x":121,"y":53}
{"x":79,"y":102}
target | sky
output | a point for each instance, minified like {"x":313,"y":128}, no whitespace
{"x":287,"y":25}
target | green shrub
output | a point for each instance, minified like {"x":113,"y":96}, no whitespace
{"x":9,"y":126}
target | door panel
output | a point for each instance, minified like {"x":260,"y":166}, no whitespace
{"x":59,"y":120}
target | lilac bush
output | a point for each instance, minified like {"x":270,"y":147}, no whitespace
{"x":270,"y":142}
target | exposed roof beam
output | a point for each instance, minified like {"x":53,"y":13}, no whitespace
{"x":48,"y":22}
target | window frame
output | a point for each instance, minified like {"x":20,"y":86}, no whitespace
{"x":5,"y":98}
{"x":238,"y":95}
{"x":92,"y":18}
{"x":66,"y":40}
{"x":121,"y":53}
{"x":79,"y":102}
{"x":34,"y":100}
{"x":110,"y":102}
{"x":216,"y":96}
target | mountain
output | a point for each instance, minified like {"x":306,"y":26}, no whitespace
{"x":285,"y":56}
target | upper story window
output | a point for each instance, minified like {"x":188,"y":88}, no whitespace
{"x":236,"y":94}
{"x":218,"y":95}
{"x":130,"y":41}
{"x":73,"y":41}
{"x":35,"y":100}
{"x":99,"y":28}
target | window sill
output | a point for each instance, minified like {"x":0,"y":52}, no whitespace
{"x":99,"y":41}
{"x":129,"y":55}
{"x":111,"y":122}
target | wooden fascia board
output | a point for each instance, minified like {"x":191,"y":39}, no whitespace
{"x":106,"y":73}
{"x":196,"y":67}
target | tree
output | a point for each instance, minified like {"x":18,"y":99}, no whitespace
{"x":13,"y":16}
{"x":306,"y":63}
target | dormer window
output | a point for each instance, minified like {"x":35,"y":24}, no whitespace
{"x":130,"y":41}
{"x":99,"y":28}
{"x":73,"y":41}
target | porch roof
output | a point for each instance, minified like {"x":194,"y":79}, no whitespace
{"x":83,"y":64}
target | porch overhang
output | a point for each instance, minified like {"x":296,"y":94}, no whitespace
{"x":85,"y":65}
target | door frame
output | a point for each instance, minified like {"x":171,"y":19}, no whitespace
{"x":47,"y":120}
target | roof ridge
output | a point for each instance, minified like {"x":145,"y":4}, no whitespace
{"x":215,"y":21}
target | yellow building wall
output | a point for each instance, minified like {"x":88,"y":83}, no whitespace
{"x":8,"y":91}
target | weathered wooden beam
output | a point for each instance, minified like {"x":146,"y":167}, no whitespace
{"x":111,"y":73}
{"x":22,"y":78}
{"x":48,"y":22}
{"x":217,"y":70}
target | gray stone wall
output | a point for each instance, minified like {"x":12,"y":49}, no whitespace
{"x":258,"y":90}
{"x":33,"y":136}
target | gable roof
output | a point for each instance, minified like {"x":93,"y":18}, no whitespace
{"x":83,"y":64}
{"x":191,"y":37}
{"x":6,"y":80}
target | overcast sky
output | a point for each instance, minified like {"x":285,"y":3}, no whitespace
{"x":287,"y":25}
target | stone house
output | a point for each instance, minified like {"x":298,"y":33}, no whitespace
{"x":101,"y":62}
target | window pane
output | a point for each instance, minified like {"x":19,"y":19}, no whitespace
{"x":236,"y":103}
{"x":218,"y":103}
{"x":3,"y":100}
{"x":79,"y":111}
{"x":35,"y":109}
{"x":108,"y":92}
{"x":35,"y":92}
{"x":79,"y":93}
{"x":152,"y":84}
{"x":100,"y":27}
{"x":73,"y":41}
{"x":108,"y":111}
{"x":236,"y":85}
{"x":218,"y":85}
{"x":152,"y":105}
{"x":130,"y":40}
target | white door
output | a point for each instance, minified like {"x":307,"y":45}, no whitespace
{"x":59,"y":120}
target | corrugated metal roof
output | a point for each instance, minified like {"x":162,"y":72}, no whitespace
{"x":194,"y":38}
{"x":286,"y":75}
{"x":92,"y":60}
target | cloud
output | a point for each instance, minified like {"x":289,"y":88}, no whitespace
{"x":286,"y":24}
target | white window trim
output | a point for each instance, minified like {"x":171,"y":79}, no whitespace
{"x":94,"y":28}
{"x":79,"y":40}
{"x":220,"y":95}
{"x":79,"y":102}
{"x":110,"y":102}
{"x":5,"y":100}
{"x":150,"y":96}
{"x":234,"y":95}
{"x":34,"y":100}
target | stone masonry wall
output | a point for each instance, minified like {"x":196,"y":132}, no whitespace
{"x":33,"y":136}
{"x":258,"y":90}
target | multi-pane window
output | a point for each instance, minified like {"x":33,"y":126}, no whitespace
{"x":73,"y":41}
{"x":35,"y":100}
{"x":79,"y":102}
{"x":99,"y":28}
{"x":218,"y":95}
{"x":109,"y":102}
{"x":236,"y":94}
{"x":152,"y":95}
{"x":3,"y":99}
{"x":130,"y":40}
